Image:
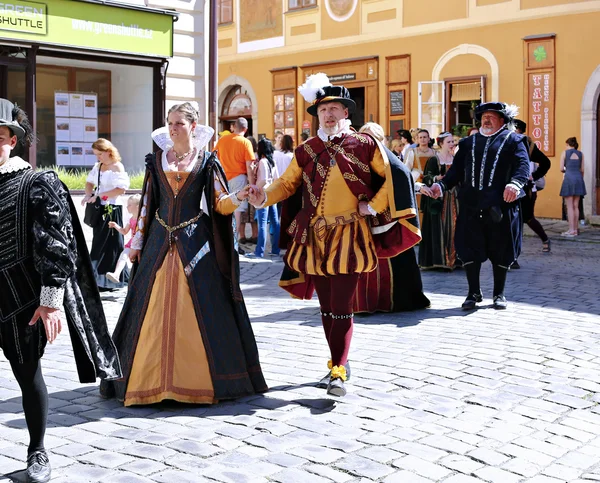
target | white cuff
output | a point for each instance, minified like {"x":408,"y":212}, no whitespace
{"x":52,"y":297}
{"x":515,"y":185}
{"x":418,"y":186}
{"x":235,"y":200}
{"x":371,"y":210}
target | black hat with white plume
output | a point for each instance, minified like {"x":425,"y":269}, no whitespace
{"x":318,"y":89}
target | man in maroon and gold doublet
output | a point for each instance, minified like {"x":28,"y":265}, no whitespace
{"x":345,"y":218}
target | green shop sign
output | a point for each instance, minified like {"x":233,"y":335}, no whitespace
{"x":88,"y":25}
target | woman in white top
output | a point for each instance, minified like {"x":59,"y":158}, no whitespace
{"x":283,"y":157}
{"x":266,"y":174}
{"x":107,"y":180}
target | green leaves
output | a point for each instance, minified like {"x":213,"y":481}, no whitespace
{"x":540,"y":54}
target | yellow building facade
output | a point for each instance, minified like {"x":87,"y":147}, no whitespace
{"x":422,"y":63}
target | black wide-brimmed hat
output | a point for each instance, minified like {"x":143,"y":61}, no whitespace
{"x":317,"y":90}
{"x":507,"y":111}
{"x":520,"y":125}
{"x":6,"y":118}
{"x":332,"y":94}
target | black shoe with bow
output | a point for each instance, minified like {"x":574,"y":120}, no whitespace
{"x":38,"y":467}
{"x":472,"y":300}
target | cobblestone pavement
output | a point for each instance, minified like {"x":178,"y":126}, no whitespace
{"x":435,"y":395}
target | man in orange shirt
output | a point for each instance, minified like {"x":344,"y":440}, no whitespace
{"x":236,"y":156}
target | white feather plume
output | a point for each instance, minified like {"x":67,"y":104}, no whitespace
{"x":511,"y":110}
{"x":313,"y":86}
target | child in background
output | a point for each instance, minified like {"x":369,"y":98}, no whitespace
{"x":133,"y":207}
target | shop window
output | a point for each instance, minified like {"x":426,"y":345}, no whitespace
{"x":52,"y":79}
{"x":224,"y":11}
{"x":465,"y":95}
{"x":298,"y":4}
{"x":284,"y":113}
{"x":432,"y":108}
{"x":79,"y":101}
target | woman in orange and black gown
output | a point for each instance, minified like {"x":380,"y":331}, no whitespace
{"x":184,"y":333}
{"x":395,"y":285}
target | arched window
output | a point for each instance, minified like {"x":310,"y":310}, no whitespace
{"x":237,"y":104}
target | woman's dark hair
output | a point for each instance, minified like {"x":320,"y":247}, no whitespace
{"x":405,"y":133}
{"x":20,"y":116}
{"x":425,"y":131}
{"x":287,"y":143}
{"x":442,"y":136}
{"x":265,"y":150}
{"x":253,"y":142}
{"x":573,"y":142}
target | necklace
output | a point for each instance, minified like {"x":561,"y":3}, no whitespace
{"x":180,"y":157}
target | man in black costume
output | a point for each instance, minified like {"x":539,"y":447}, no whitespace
{"x":493,"y":166}
{"x":540,"y":166}
{"x":42,"y":273}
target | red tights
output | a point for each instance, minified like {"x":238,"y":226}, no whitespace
{"x":336,"y":297}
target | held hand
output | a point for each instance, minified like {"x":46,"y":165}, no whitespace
{"x":51,"y":319}
{"x":426,"y":190}
{"x":134,"y":255}
{"x":91,"y":199}
{"x":243,"y":193}
{"x":434,"y":191}
{"x":510,"y":193}
{"x":112,"y":224}
{"x":363,"y":208}
{"x":256,"y":195}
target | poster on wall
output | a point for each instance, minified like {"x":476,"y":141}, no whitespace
{"x":76,"y":129}
{"x":90,"y":157}
{"x":77,"y":154}
{"x":75,"y":105}
{"x":61,"y":104}
{"x":63,"y":129}
{"x":90,"y":106}
{"x":76,"y":123}
{"x":90,"y":128}
{"x":63,"y":154}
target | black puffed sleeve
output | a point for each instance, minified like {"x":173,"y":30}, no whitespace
{"x":54,"y":246}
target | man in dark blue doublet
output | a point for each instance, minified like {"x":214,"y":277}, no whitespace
{"x":493,"y":167}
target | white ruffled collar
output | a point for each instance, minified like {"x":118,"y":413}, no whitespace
{"x":504,"y":126}
{"x":342,"y":132}
{"x":202,"y":134}
{"x":13,"y":165}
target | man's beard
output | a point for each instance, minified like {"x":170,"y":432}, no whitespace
{"x":488,"y":130}
{"x":333,"y":130}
